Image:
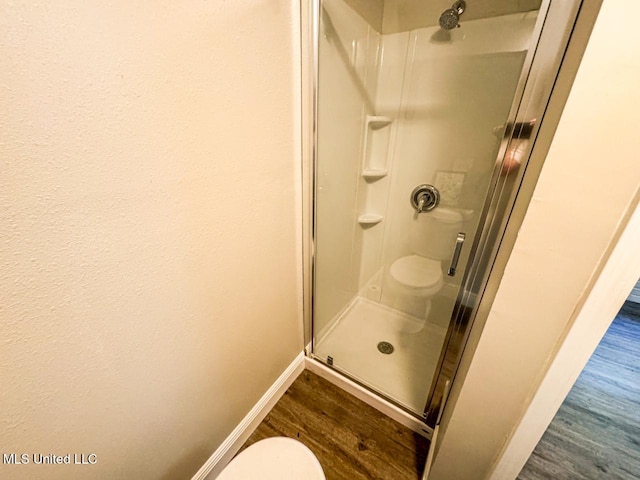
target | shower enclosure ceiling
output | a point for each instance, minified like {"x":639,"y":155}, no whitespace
{"x":416,"y":129}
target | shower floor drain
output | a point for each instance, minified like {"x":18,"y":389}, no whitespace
{"x":385,"y":347}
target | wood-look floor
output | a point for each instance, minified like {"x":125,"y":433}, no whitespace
{"x":596,"y":432}
{"x":352,"y":440}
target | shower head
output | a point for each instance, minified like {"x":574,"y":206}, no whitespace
{"x":451,"y":16}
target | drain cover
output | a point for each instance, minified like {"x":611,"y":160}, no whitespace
{"x":385,"y":347}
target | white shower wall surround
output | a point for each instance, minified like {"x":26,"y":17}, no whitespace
{"x":464,"y":82}
{"x":430,"y":83}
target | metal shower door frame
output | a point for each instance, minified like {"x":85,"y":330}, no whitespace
{"x":553,"y":30}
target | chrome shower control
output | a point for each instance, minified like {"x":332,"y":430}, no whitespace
{"x":425,"y":198}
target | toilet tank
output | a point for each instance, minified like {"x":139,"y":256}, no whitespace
{"x":433,"y":234}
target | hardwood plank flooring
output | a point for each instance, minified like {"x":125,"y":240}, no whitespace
{"x":596,"y":432}
{"x":352,"y":440}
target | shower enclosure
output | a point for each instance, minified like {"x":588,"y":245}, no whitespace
{"x":425,"y":115}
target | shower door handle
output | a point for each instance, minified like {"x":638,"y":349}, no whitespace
{"x":456,"y":254}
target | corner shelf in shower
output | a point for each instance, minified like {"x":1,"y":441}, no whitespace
{"x":376,"y":146}
{"x":369,"y":219}
{"x":374,"y":174}
{"x":376,"y":122}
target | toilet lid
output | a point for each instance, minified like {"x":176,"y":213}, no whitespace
{"x":416,"y":271}
{"x":276,"y":458}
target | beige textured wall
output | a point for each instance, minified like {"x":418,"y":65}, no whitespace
{"x":149,"y":258}
{"x":564,"y":239}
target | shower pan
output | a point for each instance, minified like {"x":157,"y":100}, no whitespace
{"x":423,"y":124}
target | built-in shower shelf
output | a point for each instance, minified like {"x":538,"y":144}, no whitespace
{"x":369,"y":219}
{"x":376,"y":122}
{"x":374,"y":174}
{"x":377,"y":136}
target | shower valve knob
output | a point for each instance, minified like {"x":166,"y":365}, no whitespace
{"x":424,"y":198}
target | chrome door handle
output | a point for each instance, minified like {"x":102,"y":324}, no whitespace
{"x":456,"y":254}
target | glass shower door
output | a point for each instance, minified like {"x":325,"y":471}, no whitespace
{"x":411,"y":118}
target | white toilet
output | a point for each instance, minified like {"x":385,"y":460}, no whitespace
{"x":413,"y":279}
{"x":276,"y":458}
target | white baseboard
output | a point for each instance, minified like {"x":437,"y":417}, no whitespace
{"x":368,"y":397}
{"x":225,"y":452}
